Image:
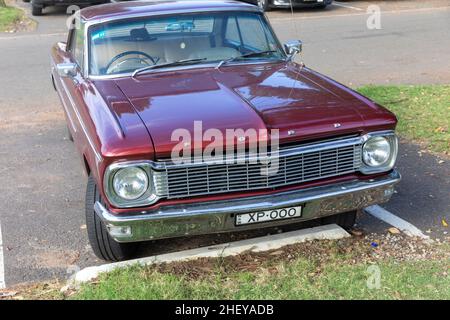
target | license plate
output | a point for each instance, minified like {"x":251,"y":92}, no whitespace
{"x":269,"y":215}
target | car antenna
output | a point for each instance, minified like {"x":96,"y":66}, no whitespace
{"x":297,"y":33}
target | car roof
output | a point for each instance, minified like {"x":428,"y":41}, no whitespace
{"x":125,"y":9}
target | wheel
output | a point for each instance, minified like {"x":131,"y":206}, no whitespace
{"x":346,"y":219}
{"x":322,"y":6}
{"x":26,"y":0}
{"x":36,"y":10}
{"x":103,"y":245}
{"x":69,"y":134}
{"x":264,"y":5}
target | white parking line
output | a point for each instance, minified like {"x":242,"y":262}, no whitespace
{"x":2,"y":266}
{"x":335,"y":3}
{"x":393,"y":220}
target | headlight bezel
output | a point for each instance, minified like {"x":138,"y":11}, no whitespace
{"x":147,"y":198}
{"x":392,"y":139}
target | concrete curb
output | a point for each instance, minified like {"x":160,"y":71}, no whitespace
{"x":265,"y":243}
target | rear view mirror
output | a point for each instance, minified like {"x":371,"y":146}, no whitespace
{"x":67,"y":69}
{"x":62,"y":46}
{"x":293,"y":47}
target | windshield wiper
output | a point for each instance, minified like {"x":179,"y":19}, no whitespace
{"x":169,"y":64}
{"x":247,"y":55}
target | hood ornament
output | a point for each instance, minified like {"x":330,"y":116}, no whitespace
{"x":291,"y":132}
{"x":337,"y":125}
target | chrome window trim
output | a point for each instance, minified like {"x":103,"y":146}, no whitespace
{"x":156,"y":169}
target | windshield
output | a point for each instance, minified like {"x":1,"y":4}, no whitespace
{"x":128,"y":45}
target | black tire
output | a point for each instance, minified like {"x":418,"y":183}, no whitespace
{"x":264,"y":5}
{"x":26,"y":0}
{"x":346,"y":219}
{"x":103,"y":245}
{"x":322,"y":6}
{"x":36,"y":10}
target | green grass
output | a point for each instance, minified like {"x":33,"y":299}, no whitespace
{"x":299,"y":279}
{"x":423,"y":112}
{"x":8,"y":17}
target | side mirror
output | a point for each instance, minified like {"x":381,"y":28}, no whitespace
{"x":62,"y":46}
{"x":67,"y":69}
{"x":292,"y":48}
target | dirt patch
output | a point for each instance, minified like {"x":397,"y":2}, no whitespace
{"x":28,"y":291}
{"x":57,"y":258}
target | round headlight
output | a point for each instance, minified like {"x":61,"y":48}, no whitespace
{"x":376,"y":151}
{"x":130,"y":183}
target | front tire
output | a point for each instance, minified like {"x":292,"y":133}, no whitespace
{"x":104,"y":246}
{"x":346,"y":219}
{"x":36,"y":10}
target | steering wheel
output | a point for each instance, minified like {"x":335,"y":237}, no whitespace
{"x":126,"y":53}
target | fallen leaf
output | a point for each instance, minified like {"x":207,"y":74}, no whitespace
{"x":444,"y":223}
{"x":5,"y":294}
{"x":394,"y":230}
{"x":440,"y":130}
{"x":275,"y":253}
{"x":356,"y":232}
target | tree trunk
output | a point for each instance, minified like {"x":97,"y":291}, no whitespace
{"x":2,"y":3}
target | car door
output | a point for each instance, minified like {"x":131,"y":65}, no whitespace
{"x":74,"y":87}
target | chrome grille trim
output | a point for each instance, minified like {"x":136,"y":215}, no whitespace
{"x":297,"y":164}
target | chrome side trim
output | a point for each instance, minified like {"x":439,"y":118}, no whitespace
{"x":218,"y":216}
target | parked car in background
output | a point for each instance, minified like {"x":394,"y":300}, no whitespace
{"x":37,"y":6}
{"x":136,"y":72}
{"x":269,"y":4}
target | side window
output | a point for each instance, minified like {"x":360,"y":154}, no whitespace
{"x":76,"y":46}
{"x":232,"y":31}
{"x":253,"y":33}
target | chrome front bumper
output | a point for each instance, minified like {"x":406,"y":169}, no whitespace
{"x":219,"y":216}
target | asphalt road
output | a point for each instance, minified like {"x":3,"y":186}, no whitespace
{"x":42,"y":190}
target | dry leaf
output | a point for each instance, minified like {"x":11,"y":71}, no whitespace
{"x":394,"y":230}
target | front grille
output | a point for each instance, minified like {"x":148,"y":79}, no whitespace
{"x":297,"y":164}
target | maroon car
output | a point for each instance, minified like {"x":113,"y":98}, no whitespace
{"x":151,"y":92}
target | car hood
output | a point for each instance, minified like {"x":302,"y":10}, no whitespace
{"x":301,"y":103}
